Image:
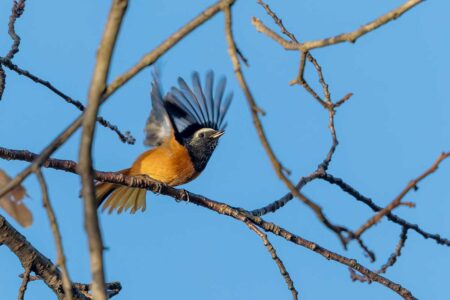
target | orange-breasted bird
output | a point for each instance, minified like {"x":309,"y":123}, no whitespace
{"x":184,"y":127}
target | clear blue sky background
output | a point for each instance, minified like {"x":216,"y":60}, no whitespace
{"x":394,"y":127}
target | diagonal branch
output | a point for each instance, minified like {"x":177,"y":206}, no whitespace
{"x":221,"y":208}
{"x":165,"y":46}
{"x":124,"y":137}
{"x":350,"y":37}
{"x":397,"y":201}
{"x":392,"y":217}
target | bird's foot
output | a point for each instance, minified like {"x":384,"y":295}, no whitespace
{"x":158,"y":185}
{"x":185,"y":195}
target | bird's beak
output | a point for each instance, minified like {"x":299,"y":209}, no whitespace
{"x":218,"y":134}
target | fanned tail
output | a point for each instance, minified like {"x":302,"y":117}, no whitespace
{"x":120,"y":198}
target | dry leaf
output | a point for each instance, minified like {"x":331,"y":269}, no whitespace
{"x":12,"y":202}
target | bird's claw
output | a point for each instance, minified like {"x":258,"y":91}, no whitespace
{"x":158,"y":188}
{"x":185,"y":195}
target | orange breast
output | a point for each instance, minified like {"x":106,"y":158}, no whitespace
{"x":169,"y":163}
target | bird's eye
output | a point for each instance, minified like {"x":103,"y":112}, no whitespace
{"x":202,"y":135}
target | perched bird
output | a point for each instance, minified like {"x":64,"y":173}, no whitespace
{"x":184,"y":127}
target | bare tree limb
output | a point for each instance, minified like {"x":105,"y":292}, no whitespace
{"x":350,"y":37}
{"x":96,"y":90}
{"x":276,"y":164}
{"x":30,"y":256}
{"x":224,"y":209}
{"x":397,"y":201}
{"x":124,"y":137}
{"x":165,"y":46}
{"x":392,"y":217}
{"x":61,"y":258}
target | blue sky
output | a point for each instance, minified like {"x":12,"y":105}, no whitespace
{"x":393,"y":128}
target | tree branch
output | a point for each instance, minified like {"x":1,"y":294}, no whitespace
{"x":390,"y":262}
{"x":96,"y":90}
{"x":276,"y":164}
{"x":392,"y":217}
{"x":397,"y":201}
{"x":350,"y":37}
{"x":31,"y":257}
{"x":278,"y":261}
{"x":61,"y":258}
{"x":124,"y":137}
{"x":221,"y":208}
{"x":165,"y":46}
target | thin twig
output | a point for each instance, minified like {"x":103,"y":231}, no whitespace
{"x":278,"y":261}
{"x":343,"y":100}
{"x":391,"y":217}
{"x":112,"y":289}
{"x":2,"y":81}
{"x":25,"y":280}
{"x":302,"y":81}
{"x":397,"y":201}
{"x":278,"y":21}
{"x":125,"y":137}
{"x":61,"y":258}
{"x":16,"y":11}
{"x":398,"y":251}
{"x":390,"y":262}
{"x":276,"y":205}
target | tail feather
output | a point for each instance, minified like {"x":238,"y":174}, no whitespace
{"x":114,"y":199}
{"x":126,"y":198}
{"x":120,"y":198}
{"x":139,"y":202}
{"x":103,"y":190}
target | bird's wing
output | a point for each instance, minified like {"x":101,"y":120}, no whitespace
{"x":184,"y":110}
{"x":158,"y":126}
{"x":195,"y":108}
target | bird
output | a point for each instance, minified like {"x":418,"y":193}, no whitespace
{"x":184,"y":128}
